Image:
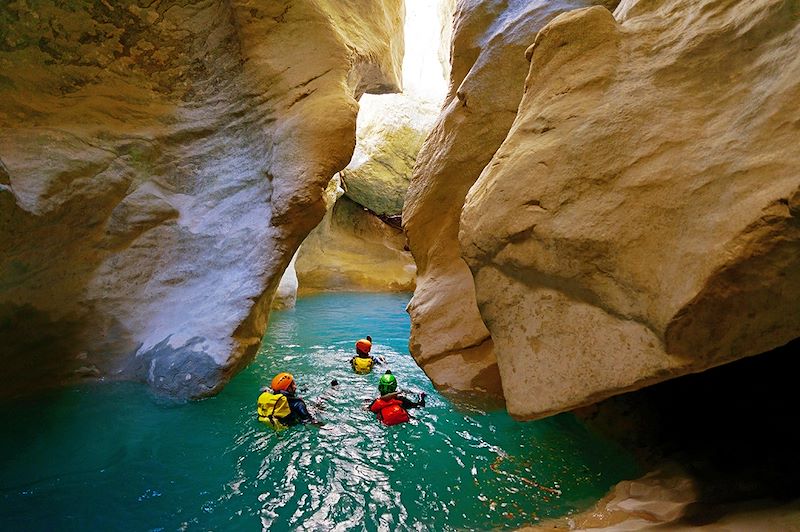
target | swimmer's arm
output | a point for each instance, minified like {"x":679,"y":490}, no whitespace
{"x":301,"y":410}
{"x":408,"y":403}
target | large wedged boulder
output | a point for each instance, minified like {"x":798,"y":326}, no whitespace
{"x":388,"y":139}
{"x":641,"y":219}
{"x":160,"y":166}
{"x":486,"y":79}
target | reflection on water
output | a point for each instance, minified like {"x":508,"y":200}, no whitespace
{"x":112,"y":456}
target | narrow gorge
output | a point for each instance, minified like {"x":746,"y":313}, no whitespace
{"x":595,"y":203}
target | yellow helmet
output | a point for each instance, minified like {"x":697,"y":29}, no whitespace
{"x":282,"y":381}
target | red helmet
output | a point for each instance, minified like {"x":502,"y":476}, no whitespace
{"x":282,"y":382}
{"x":363,"y":345}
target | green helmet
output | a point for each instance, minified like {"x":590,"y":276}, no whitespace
{"x":387,"y":384}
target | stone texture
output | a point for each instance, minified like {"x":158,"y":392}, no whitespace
{"x":286,"y":293}
{"x":662,"y":499}
{"x":487,"y":75}
{"x":352,"y":250}
{"x":640,"y":221}
{"x":392,"y":127}
{"x":388,"y":140}
{"x":160,"y":163}
{"x":666,"y":499}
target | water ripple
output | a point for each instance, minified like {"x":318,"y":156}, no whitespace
{"x":212,"y":466}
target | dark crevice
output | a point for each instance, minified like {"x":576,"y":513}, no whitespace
{"x":733,"y":428}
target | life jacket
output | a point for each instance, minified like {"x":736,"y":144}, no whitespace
{"x":363,"y":365}
{"x":272,"y":408}
{"x":390,"y":411}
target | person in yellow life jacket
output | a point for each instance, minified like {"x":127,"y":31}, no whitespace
{"x":281,"y":408}
{"x":363,"y":362}
{"x":391,"y":408}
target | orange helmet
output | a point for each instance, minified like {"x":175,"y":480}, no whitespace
{"x":363,"y":345}
{"x":282,"y":381}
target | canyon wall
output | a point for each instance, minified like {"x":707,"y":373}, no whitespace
{"x":359,"y":245}
{"x":353,"y":249}
{"x":488,"y":67}
{"x":159,"y":166}
{"x":641,"y":220}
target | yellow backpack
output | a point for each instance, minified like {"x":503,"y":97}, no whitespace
{"x":272,"y":408}
{"x":362,"y":365}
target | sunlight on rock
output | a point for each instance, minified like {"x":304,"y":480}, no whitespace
{"x":359,"y":245}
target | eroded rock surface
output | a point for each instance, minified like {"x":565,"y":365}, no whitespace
{"x":388,"y":141}
{"x":286,"y":293}
{"x":359,"y":245}
{"x":448,"y":337}
{"x":160,"y":166}
{"x":641,"y":220}
{"x":353,"y":249}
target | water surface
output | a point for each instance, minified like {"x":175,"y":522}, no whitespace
{"x":114,"y":457}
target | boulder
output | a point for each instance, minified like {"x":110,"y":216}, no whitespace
{"x":389,"y":135}
{"x":448,"y":336}
{"x":642,"y":218}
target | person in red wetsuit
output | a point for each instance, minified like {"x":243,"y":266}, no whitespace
{"x":391,"y":407}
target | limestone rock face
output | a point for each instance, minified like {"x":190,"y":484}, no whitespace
{"x":286,"y":293}
{"x":448,"y":337}
{"x":642,"y":218}
{"x":352,"y":249}
{"x":359,"y":245}
{"x":388,"y":140}
{"x":159,"y":167}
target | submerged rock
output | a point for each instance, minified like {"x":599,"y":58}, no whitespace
{"x":159,"y":167}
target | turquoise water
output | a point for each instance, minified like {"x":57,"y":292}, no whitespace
{"x":114,"y":457}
